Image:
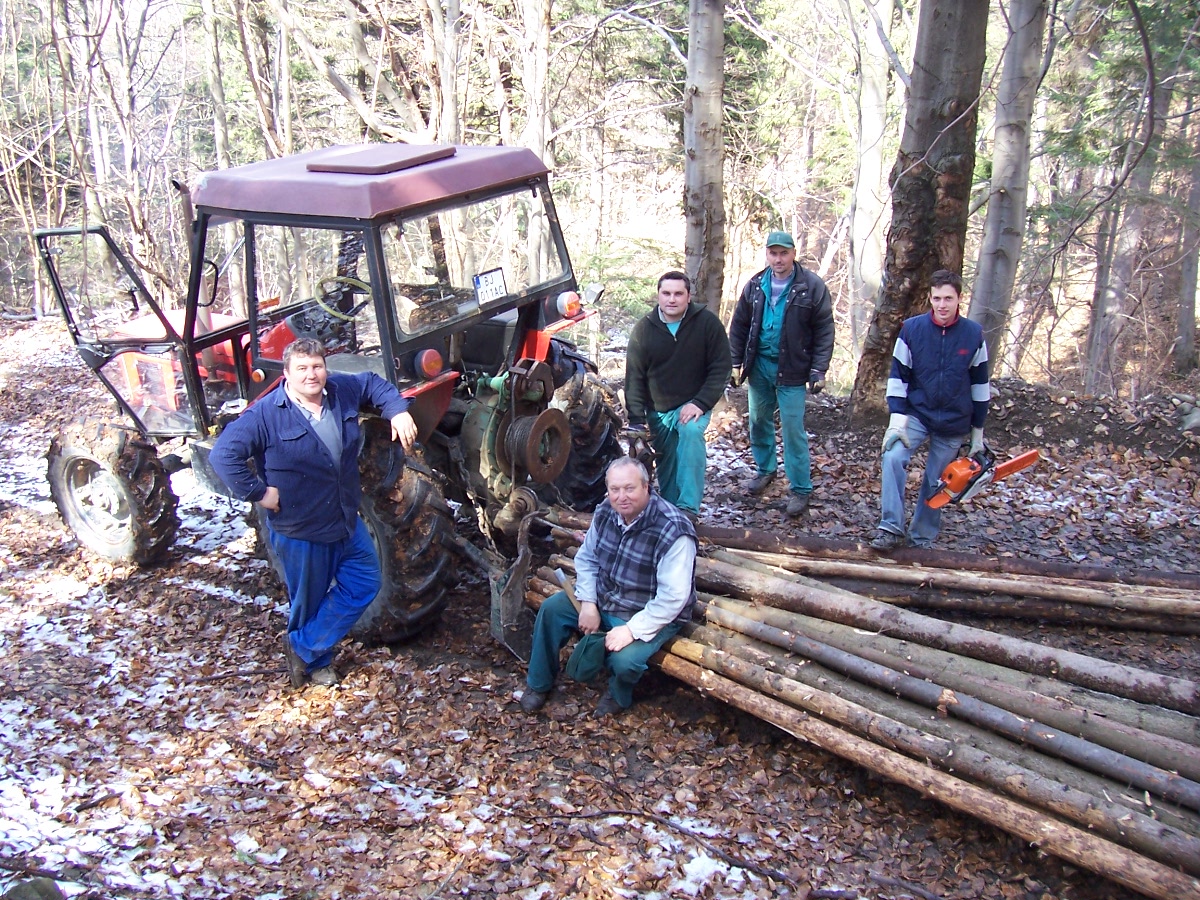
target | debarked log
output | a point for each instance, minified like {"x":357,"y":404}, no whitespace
{"x":1100,"y":708}
{"x":1115,"y":822}
{"x":1089,"y":755}
{"x":860,"y":612}
{"x":983,"y":681}
{"x":1048,"y":768}
{"x":827,"y":548}
{"x":1089,"y":851}
{"x":1132,"y":598}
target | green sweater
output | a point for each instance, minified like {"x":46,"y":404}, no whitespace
{"x":665,"y":371}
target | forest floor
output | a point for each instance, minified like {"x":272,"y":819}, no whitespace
{"x":153,"y":748}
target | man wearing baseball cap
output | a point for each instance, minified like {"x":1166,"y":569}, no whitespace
{"x":781,"y":342}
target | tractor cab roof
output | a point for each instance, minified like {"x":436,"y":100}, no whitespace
{"x":364,"y":181}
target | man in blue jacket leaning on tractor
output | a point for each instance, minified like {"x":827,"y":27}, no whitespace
{"x":304,"y":436}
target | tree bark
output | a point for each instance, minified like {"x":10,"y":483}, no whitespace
{"x":1132,"y":598}
{"x":1184,"y":350}
{"x":1052,"y":836}
{"x":703,"y":152}
{"x":1123,"y":681}
{"x":931,"y":181}
{"x":934,"y":696}
{"x":869,"y":200}
{"x":1004,"y":227}
{"x":1111,"y":820}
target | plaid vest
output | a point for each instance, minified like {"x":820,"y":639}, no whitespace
{"x":627,"y":561}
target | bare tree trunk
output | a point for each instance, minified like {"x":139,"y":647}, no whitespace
{"x":535,"y":17}
{"x":1189,"y":291}
{"x":869,"y":200}
{"x":1004,"y":228}
{"x":704,"y":204}
{"x":1103,"y":366}
{"x":931,"y":181}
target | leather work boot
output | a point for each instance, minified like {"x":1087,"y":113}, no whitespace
{"x":760,"y":483}
{"x":297,"y":670}
{"x":326,"y":676}
{"x":532,"y":701}
{"x":606,"y":707}
{"x":797,"y":504}
{"x":887,"y":540}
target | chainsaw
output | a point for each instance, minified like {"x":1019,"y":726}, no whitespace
{"x":966,"y":476}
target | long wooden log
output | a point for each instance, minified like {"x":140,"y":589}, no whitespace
{"x":1082,"y":721}
{"x":1080,"y":710}
{"x":1124,"y":681}
{"x":812,"y":546}
{"x":1134,"y":598}
{"x":1067,"y":842}
{"x":1092,"y":756}
{"x":958,"y":732}
{"x":1170,"y":724}
{"x":1028,"y":608}
{"x":1111,"y":820}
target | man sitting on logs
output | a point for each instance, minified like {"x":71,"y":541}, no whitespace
{"x":634,"y":583}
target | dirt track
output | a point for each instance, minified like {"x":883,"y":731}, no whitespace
{"x":154,"y":749}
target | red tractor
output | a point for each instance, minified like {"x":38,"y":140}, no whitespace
{"x":441,"y":268}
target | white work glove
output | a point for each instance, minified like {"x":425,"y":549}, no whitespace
{"x":897,"y":430}
{"x":976,"y":441}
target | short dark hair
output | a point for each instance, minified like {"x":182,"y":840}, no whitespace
{"x":302,"y":347}
{"x":944,"y":277}
{"x":675,"y":276}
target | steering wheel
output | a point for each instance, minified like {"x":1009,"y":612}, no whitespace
{"x":359,"y":286}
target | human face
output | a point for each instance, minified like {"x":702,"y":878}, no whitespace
{"x":782,"y":260}
{"x":306,"y":377}
{"x":944,"y":299}
{"x":627,"y":493}
{"x":673,"y":299}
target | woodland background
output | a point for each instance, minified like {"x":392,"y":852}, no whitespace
{"x":1053,"y":145}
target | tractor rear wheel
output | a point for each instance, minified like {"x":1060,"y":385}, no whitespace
{"x":591,"y":410}
{"x":113,"y":492}
{"x":413,"y":529}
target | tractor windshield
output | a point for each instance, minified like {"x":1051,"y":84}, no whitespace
{"x":462,"y":261}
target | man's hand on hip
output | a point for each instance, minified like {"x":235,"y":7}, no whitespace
{"x":689,"y":412}
{"x":618,"y":639}
{"x":270,"y":500}
{"x":404,"y":430}
{"x":589,"y":618}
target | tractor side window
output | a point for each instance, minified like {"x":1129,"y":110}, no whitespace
{"x":152,"y":384}
{"x":450,"y":264}
{"x":104,"y":301}
{"x":313,"y":283}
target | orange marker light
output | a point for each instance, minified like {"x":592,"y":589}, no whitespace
{"x":258,"y":376}
{"x":429,"y":363}
{"x":569,"y":304}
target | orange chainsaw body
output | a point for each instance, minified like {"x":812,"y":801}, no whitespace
{"x":963,"y":476}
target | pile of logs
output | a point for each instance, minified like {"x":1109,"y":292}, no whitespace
{"x":1095,"y":762}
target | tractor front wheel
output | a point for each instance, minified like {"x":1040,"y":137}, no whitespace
{"x":592,"y":411}
{"x":113,"y":492}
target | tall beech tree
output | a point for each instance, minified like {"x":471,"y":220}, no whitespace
{"x":931,"y":181}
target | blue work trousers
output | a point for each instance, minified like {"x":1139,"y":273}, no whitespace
{"x":681,"y":457}
{"x":925,"y":521}
{"x":330,"y":585}
{"x":765,"y":398}
{"x":557,"y":620}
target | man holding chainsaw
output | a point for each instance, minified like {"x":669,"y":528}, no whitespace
{"x":938,"y":390}
{"x":634,"y":589}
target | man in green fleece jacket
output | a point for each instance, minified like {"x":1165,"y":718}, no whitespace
{"x":676,"y":369}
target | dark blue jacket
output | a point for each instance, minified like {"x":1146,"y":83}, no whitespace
{"x":318,"y":496}
{"x":806,"y":341}
{"x":940,"y":375}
